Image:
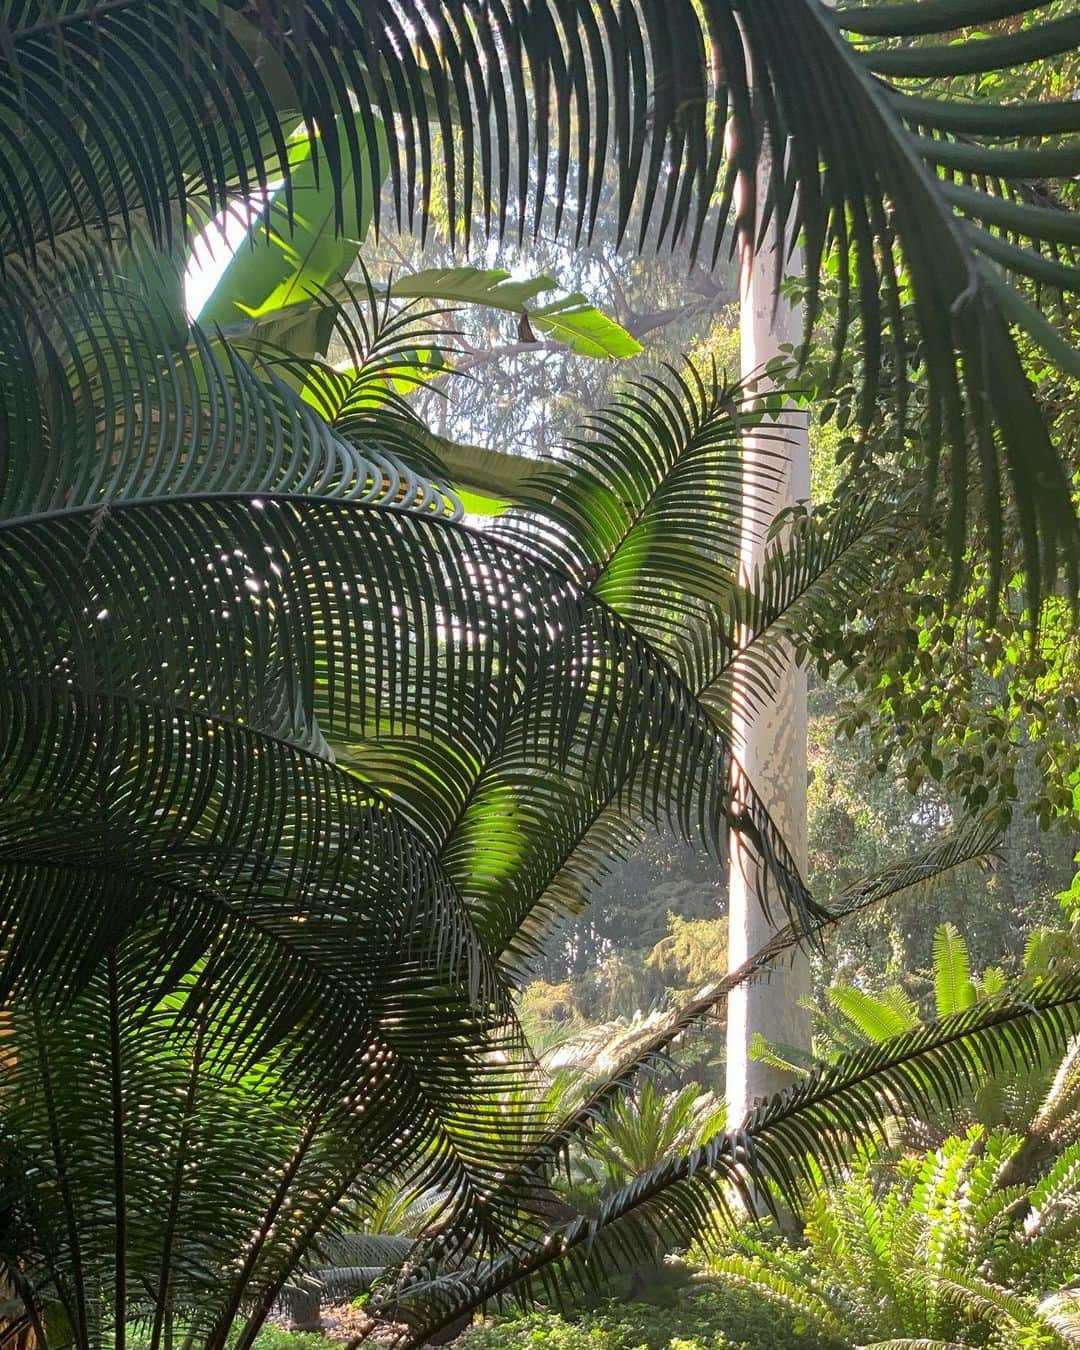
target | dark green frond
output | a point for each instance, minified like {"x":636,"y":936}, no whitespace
{"x":99,"y":368}
{"x":976,"y":843}
{"x":651,"y":507}
{"x":915,"y":191}
{"x":244,"y":1204}
{"x":812,"y":575}
{"x":390,"y":352}
{"x":175,"y":674}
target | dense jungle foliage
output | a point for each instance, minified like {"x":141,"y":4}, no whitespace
{"x":375,"y":628}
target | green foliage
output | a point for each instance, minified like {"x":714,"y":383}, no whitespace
{"x":687,"y":1198}
{"x":954,"y":990}
{"x":270,"y":1337}
{"x":948,"y":1248}
{"x":949,"y":248}
{"x":640,"y":1131}
{"x":297,"y":769}
{"x":249,"y":681}
{"x":297,"y":247}
{"x":705,"y":1315}
{"x":569,"y":319}
{"x":1070,"y":899}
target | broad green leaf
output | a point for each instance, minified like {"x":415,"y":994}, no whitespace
{"x":586,"y":330}
{"x":480,"y":504}
{"x":572,"y":320}
{"x":487,"y":481}
{"x":472,"y":286}
{"x":284,"y":261}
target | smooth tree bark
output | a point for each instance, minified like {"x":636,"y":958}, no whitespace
{"x":770,"y":742}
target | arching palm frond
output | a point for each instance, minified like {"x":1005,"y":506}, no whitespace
{"x":817,"y":572}
{"x":267,"y":706}
{"x":651,"y":503}
{"x":605,"y":515}
{"x":647,"y":513}
{"x":226,"y":680}
{"x":146,"y":1192}
{"x":783,"y":1145}
{"x":976,"y":843}
{"x":99,"y":367}
{"x":117,"y":644}
{"x":917,"y":190}
{"x":811,"y":575}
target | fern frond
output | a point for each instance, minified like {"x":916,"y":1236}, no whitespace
{"x":952,"y":971}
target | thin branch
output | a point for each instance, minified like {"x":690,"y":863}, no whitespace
{"x":119,"y":1192}
{"x":77,"y":1315}
{"x":171,"y":1222}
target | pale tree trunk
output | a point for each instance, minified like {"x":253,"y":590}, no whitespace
{"x":771,"y":743}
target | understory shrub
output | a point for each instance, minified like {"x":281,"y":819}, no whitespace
{"x":706,"y":1315}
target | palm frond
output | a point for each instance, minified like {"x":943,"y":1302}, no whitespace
{"x":650,"y":507}
{"x":708,"y":631}
{"x":914,"y":190}
{"x":975,"y":843}
{"x":390,"y":351}
{"x":510,"y":844}
{"x":97,"y":369}
{"x":342,"y":1266}
{"x":811,"y":576}
{"x":645,"y":514}
{"x":165,"y":664}
{"x":263,"y":1195}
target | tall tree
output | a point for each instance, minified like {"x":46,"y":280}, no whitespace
{"x":770,"y":733}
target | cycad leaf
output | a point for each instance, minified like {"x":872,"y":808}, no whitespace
{"x":96,"y":364}
{"x":811,"y":576}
